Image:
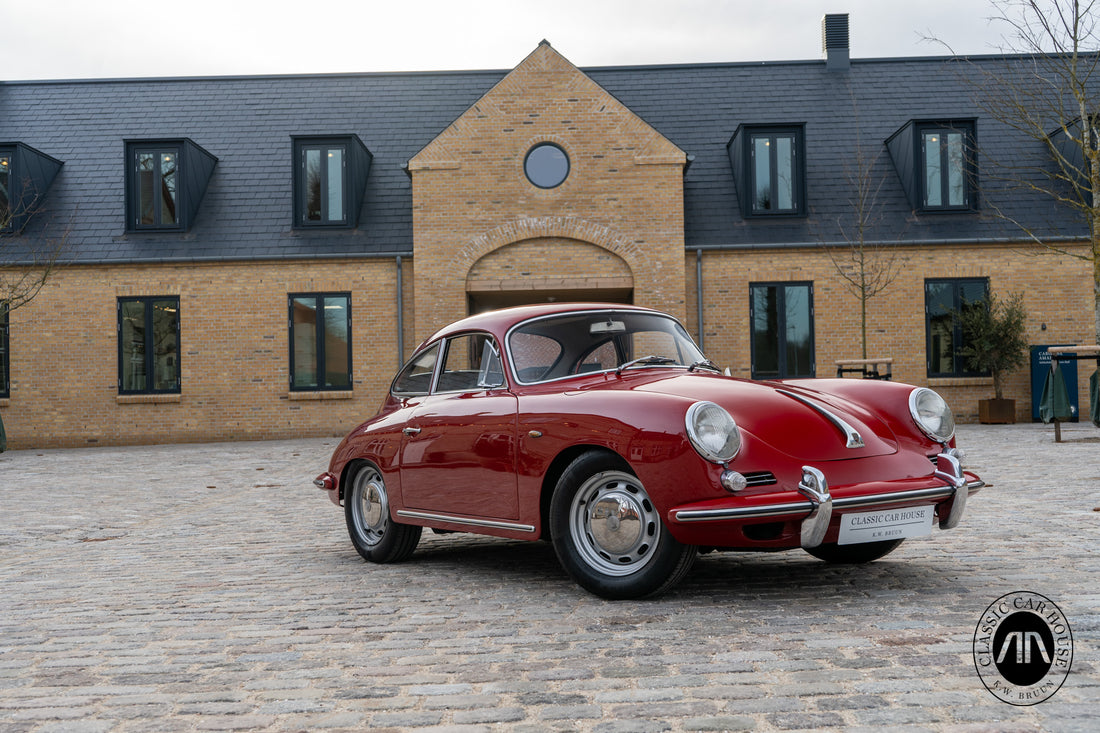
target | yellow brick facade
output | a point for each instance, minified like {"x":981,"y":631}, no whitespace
{"x":234,"y":356}
{"x":1058,"y":310}
{"x":623,"y":194}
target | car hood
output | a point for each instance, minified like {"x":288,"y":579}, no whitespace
{"x":804,"y":423}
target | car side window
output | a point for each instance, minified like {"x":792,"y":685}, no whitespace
{"x":472,"y":363}
{"x":416,"y":378}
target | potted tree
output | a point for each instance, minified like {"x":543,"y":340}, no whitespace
{"x":994,"y":334}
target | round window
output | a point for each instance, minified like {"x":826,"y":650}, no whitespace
{"x":546,"y":165}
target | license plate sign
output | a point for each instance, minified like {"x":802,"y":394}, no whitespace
{"x":887,"y":524}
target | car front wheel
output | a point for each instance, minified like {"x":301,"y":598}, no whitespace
{"x":609,"y":536}
{"x":367,"y":510}
{"x":854,"y":554}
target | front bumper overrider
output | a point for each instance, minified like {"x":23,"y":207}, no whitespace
{"x":817,"y":505}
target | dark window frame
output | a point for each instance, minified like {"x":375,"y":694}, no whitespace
{"x":969,"y":166}
{"x":957,"y":361}
{"x":134,"y":150}
{"x":5,"y":352}
{"x":319,"y":347}
{"x":7,"y":218}
{"x":783,"y":369}
{"x":301,"y":215}
{"x":751,"y":133}
{"x":527,"y":166}
{"x":149,"y":366}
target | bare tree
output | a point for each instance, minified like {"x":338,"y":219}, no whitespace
{"x":867,"y":267}
{"x":26,"y":263}
{"x":1050,"y":94}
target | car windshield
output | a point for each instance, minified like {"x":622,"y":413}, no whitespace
{"x":596,"y":341}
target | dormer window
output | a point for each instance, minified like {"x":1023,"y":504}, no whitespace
{"x":25,"y":176}
{"x":936,"y":163}
{"x":330,"y":180}
{"x":768,"y":169}
{"x":165,"y":182}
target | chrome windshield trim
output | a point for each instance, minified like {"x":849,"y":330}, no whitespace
{"x":465,"y":520}
{"x":851,"y":435}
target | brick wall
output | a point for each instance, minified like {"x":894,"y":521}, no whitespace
{"x":1057,"y":293}
{"x":234,"y":354}
{"x":623,"y":195}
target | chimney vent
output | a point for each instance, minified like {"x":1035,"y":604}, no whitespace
{"x":834,"y":41}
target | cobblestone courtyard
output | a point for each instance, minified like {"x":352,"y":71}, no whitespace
{"x":210,"y":587}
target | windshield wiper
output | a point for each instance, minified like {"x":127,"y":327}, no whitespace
{"x":705,"y":364}
{"x":648,"y":360}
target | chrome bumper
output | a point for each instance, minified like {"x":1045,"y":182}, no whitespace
{"x":819,"y":505}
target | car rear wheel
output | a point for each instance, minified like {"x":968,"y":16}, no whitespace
{"x":367,"y":510}
{"x":609,"y":536}
{"x":854,"y":554}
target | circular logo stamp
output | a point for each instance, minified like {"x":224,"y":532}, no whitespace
{"x":1023,"y":648}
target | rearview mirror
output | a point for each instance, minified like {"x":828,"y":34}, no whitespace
{"x":608,"y":326}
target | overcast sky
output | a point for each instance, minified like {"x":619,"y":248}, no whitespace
{"x":76,"y":39}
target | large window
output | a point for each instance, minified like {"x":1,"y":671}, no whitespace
{"x":775,"y":171}
{"x":320,"y":341}
{"x":946,"y":158}
{"x":322,"y":184}
{"x":5,"y":362}
{"x":148,"y":345}
{"x":156,"y":187}
{"x":943,"y":299}
{"x":782,"y":317}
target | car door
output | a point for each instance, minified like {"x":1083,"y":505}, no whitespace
{"x":458,"y":451}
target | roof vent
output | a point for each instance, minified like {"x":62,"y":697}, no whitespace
{"x":834,"y":41}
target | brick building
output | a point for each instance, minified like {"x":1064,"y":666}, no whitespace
{"x":253,"y":257}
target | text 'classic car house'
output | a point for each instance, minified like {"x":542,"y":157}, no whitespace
{"x":253,"y":257}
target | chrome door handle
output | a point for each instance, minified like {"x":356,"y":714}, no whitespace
{"x":411,"y":431}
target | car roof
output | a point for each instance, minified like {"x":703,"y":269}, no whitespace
{"x":498,"y":322}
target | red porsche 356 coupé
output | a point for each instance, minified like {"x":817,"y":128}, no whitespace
{"x":605,"y":430}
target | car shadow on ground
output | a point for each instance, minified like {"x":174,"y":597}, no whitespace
{"x":477,"y":561}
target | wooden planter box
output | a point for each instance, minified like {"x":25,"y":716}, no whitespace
{"x":997,"y":412}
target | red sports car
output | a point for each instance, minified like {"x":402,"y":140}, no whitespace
{"x":605,"y":430}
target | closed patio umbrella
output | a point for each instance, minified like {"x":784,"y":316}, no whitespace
{"x":1094,"y":398}
{"x":1054,"y":403}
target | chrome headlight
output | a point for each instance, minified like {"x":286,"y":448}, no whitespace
{"x":932,"y":414}
{"x":713,"y":432}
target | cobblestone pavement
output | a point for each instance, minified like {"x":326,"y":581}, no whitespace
{"x":210,"y":587}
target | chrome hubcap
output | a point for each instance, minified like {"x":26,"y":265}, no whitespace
{"x":614,"y":523}
{"x":371,"y":507}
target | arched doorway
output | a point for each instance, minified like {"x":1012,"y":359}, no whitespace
{"x":548,"y":269}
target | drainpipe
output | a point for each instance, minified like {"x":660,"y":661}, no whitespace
{"x":699,"y":297}
{"x":400,"y":316}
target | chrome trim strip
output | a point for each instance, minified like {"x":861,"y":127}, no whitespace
{"x":744,"y":512}
{"x":854,"y":439}
{"x":465,"y":520}
{"x":896,"y":497}
{"x":805,"y":507}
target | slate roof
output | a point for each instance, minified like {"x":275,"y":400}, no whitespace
{"x":247,"y":123}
